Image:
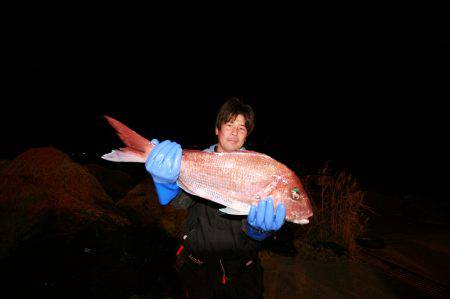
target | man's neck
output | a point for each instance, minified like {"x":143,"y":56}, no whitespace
{"x":219,"y":149}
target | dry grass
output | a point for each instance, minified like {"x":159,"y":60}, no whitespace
{"x":339,"y":210}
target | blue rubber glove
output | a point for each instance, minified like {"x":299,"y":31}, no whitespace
{"x":262,"y":221}
{"x":164,"y":164}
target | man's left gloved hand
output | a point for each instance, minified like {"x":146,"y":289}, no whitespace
{"x":262,"y":221}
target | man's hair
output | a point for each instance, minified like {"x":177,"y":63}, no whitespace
{"x":231,"y":109}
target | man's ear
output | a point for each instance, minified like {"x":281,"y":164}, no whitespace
{"x":217,"y":131}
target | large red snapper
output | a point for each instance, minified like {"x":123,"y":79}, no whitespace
{"x":236,"y":180}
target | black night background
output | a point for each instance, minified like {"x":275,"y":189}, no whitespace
{"x":365,"y":96}
{"x":381,"y":113}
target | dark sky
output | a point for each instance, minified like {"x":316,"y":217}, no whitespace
{"x":367,"y":95}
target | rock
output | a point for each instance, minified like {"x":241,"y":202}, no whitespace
{"x":334,"y":247}
{"x":142,"y":206}
{"x":116,"y":183}
{"x":44,"y":191}
{"x":3,"y":164}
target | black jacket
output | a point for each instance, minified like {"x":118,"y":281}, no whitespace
{"x":208,"y":233}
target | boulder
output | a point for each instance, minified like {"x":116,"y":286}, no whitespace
{"x":142,"y":206}
{"x":116,"y":183}
{"x":3,"y":164}
{"x":43,"y":191}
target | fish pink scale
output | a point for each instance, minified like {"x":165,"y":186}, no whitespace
{"x":235,"y":179}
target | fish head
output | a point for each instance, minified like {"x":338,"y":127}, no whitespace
{"x":289,"y":191}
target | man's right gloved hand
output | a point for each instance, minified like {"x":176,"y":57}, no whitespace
{"x":163,"y":163}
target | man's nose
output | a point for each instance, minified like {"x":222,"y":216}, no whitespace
{"x":234,"y":131}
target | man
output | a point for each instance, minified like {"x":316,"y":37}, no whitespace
{"x":219,"y":252}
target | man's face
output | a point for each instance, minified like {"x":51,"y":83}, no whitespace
{"x":231,"y":136}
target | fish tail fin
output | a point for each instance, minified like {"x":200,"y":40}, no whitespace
{"x":137,"y":147}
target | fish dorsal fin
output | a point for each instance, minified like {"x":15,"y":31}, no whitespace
{"x":231,"y":211}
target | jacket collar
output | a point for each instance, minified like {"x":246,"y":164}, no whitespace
{"x":212,"y":148}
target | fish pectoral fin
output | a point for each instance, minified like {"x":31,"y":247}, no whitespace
{"x":231,"y":211}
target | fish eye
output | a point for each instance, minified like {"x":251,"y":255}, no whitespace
{"x":295,"y":194}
